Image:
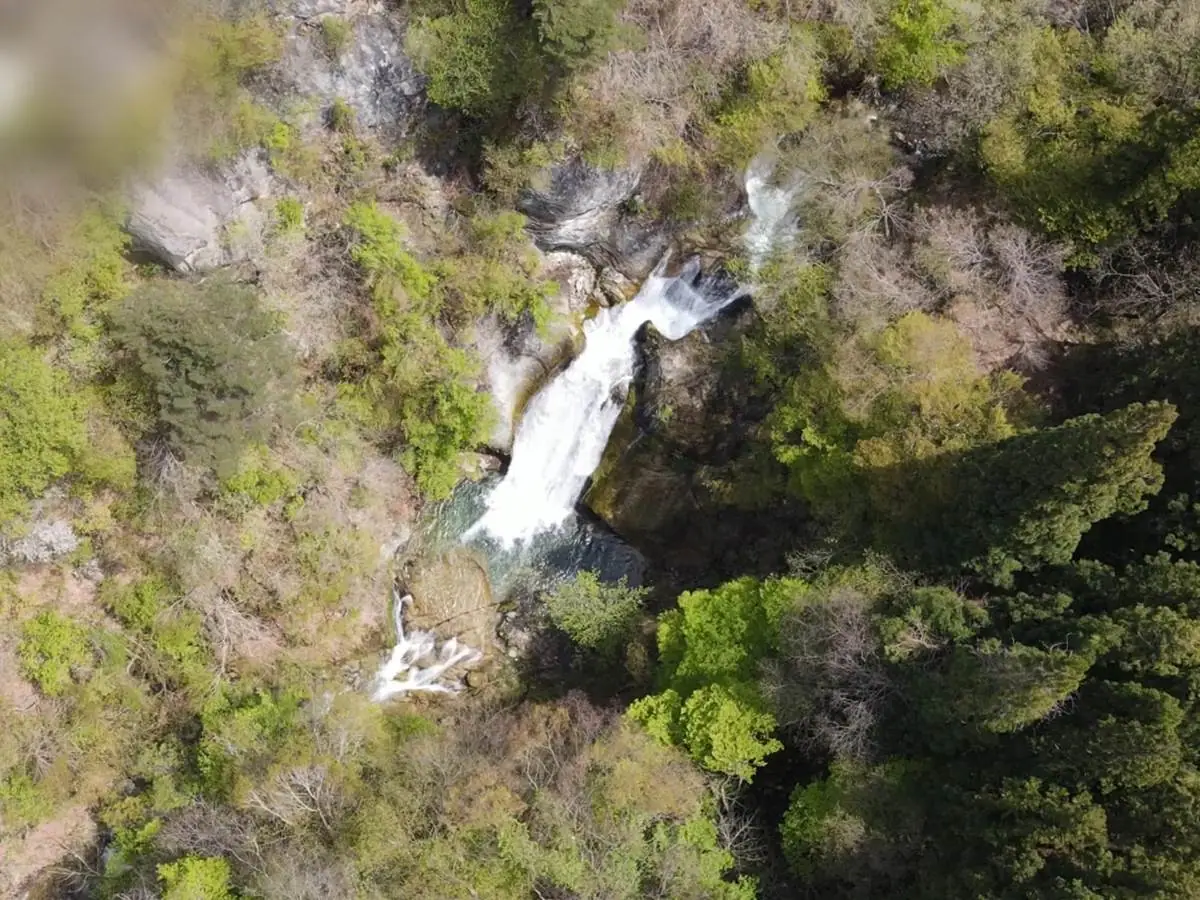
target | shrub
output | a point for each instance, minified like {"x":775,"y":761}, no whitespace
{"x":218,"y":58}
{"x":42,"y":427}
{"x":917,"y":45}
{"x":92,"y":275}
{"x":480,"y":59}
{"x":595,"y":615}
{"x":341,"y":116}
{"x":509,"y":168}
{"x":335,"y":35}
{"x":257,"y":481}
{"x":289,"y":214}
{"x":421,"y":387}
{"x":212,"y":360}
{"x":576,"y":32}
{"x":196,"y":878}
{"x":440,"y":416}
{"x":52,"y":649}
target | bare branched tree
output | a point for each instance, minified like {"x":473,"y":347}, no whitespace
{"x":738,"y":828}
{"x":299,"y":794}
{"x":654,"y":91}
{"x":209,"y":830}
{"x":301,"y":873}
{"x":1139,"y":280}
{"x":875,"y":281}
{"x":226,"y":626}
{"x":829,"y":685}
{"x":1030,"y":274}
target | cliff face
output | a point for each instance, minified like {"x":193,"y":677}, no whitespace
{"x":682,"y":478}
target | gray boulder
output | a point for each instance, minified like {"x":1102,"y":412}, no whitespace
{"x":191,"y":219}
{"x":580,"y":210}
{"x":45,"y":541}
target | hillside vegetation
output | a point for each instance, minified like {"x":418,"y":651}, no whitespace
{"x":966,"y":382}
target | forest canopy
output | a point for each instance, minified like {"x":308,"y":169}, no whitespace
{"x":887,"y":584}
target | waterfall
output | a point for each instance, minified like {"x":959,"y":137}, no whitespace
{"x":562,"y":436}
{"x":565,"y":428}
{"x":772,"y":220}
{"x":417,"y":664}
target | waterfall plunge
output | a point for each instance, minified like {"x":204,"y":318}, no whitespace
{"x":565,"y":429}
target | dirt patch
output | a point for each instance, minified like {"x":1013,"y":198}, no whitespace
{"x":16,"y":694}
{"x":22,"y":859}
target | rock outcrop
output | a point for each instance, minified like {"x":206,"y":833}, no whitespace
{"x":371,"y":73}
{"x":519,"y":360}
{"x":191,"y":219}
{"x":582,"y":209}
{"x":45,"y":541}
{"x":679,"y":478}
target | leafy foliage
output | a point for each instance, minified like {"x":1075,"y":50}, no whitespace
{"x":575,"y":33}
{"x":53,"y":648}
{"x":917,"y":44}
{"x":42,"y":431}
{"x":480,"y":56}
{"x":710,"y":649}
{"x":196,"y":878}
{"x":595,"y":615}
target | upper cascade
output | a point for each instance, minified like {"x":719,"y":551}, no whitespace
{"x":565,"y":429}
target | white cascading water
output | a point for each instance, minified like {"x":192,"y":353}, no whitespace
{"x":772,"y":219}
{"x":565,"y":429}
{"x":420,"y":662}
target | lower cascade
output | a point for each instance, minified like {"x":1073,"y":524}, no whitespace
{"x":420,"y":662}
{"x":565,"y":429}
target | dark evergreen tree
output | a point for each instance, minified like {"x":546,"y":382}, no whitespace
{"x":1026,"y":501}
{"x":213,"y":362}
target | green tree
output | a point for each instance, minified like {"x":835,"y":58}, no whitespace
{"x":726,"y":730}
{"x":596,"y":615}
{"x":1102,"y":144}
{"x":213,"y":362}
{"x":42,"y":427}
{"x":575,"y":32}
{"x":196,"y":878}
{"x":53,"y":649}
{"x":918,"y":44}
{"x":711,"y":650}
{"x":480,"y":55}
{"x":999,"y":688}
{"x":860,"y":826}
{"x":1042,"y":839}
{"x":780,"y":95}
{"x":1026,"y":501}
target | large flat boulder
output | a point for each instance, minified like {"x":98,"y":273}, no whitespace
{"x":192,"y":219}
